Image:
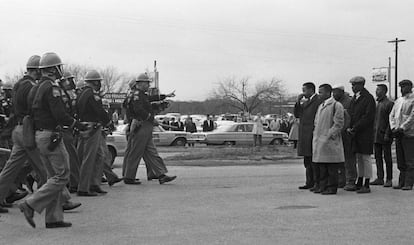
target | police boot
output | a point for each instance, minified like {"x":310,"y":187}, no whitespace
{"x":359,"y":183}
{"x":165,"y":178}
{"x":365,"y":188}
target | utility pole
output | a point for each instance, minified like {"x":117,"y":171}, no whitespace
{"x":396,"y":41}
{"x":389,"y":77}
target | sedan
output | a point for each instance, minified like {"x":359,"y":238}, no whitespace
{"x":237,"y":133}
{"x":117,"y":141}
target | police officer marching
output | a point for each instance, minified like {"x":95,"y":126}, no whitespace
{"x":91,"y":114}
{"x":69,"y":99}
{"x":20,"y":153}
{"x":140,"y":142}
{"x":49,"y":115}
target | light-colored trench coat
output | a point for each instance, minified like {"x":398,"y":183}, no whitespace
{"x":327,"y":140}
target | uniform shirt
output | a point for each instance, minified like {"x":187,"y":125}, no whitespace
{"x":47,"y":106}
{"x":20,"y":93}
{"x":139,"y":105}
{"x":90,"y":109}
{"x":402,"y":114}
{"x":69,"y":99}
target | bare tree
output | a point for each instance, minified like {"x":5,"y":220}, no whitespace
{"x":13,"y":78}
{"x":240,"y":94}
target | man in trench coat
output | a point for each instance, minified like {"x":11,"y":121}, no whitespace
{"x":306,"y":111}
{"x":328,"y":151}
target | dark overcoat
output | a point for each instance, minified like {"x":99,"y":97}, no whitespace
{"x":306,"y":113}
{"x":382,"y":122}
{"x":362,"y":113}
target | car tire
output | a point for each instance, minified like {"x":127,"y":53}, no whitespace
{"x":229,"y":143}
{"x":277,"y":142}
{"x":113,"y":154}
{"x":179,"y":142}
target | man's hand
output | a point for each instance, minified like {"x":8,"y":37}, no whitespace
{"x":397,"y":132}
{"x":350,"y":131}
{"x":300,"y":97}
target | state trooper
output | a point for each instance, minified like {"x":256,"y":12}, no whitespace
{"x":20,"y":153}
{"x":49,"y":115}
{"x":69,"y":99}
{"x":91,"y":114}
{"x":140,"y":142}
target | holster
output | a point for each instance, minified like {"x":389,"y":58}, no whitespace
{"x":92,"y":128}
{"x":135,"y":126}
{"x":55,"y":139}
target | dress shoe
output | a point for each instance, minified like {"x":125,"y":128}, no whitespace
{"x":166,"y":178}
{"x":16,"y":196}
{"x":113,"y":182}
{"x":28,"y":213}
{"x":364,"y":190}
{"x":97,"y":189}
{"x":305,"y":187}
{"x":29,"y":182}
{"x":70,"y":205}
{"x":73,"y":189}
{"x":388,"y":183}
{"x":397,"y":187}
{"x":87,"y":194}
{"x":3,"y":210}
{"x":377,"y":182}
{"x":132,"y":182}
{"x":407,"y":188}
{"x":60,"y":224}
{"x":328,"y":192}
{"x":350,"y":187}
{"x":317,"y":190}
{"x":341,"y":185}
{"x":104,"y":180}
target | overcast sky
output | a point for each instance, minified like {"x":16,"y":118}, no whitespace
{"x":197,"y":43}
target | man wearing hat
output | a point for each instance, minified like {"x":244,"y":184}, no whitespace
{"x":140,"y":142}
{"x":402,"y":126}
{"x":382,"y":137}
{"x":347,"y":171}
{"x":361,"y":128}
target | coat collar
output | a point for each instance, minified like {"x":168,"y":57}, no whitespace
{"x":327,"y":102}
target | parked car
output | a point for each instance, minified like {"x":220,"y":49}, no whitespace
{"x":237,"y":134}
{"x":117,"y":142}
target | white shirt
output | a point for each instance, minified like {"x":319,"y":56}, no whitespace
{"x":402,"y":114}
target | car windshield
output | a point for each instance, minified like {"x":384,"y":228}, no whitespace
{"x":224,"y":128}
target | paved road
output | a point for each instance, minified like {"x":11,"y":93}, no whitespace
{"x":226,"y":205}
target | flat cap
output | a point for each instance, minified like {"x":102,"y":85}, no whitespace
{"x":405,"y":82}
{"x":338,"y":86}
{"x":357,"y":79}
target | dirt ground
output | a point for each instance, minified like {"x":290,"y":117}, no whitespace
{"x":202,"y":155}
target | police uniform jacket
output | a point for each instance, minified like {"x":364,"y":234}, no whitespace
{"x":47,"y":106}
{"x":90,"y":109}
{"x":139,"y":105}
{"x":20,"y":93}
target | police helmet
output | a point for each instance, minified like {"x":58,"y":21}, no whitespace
{"x":143,"y":77}
{"x":7,"y":85}
{"x":81,"y":84}
{"x":93,"y":75}
{"x":33,"y":62}
{"x":50,"y":60}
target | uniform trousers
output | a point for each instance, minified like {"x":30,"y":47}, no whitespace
{"x":69,"y":142}
{"x":141,"y":145}
{"x":328,"y":179}
{"x":52,"y":194}
{"x":383,"y":152}
{"x":405,"y":160}
{"x":17,"y":161}
{"x":105,"y":168}
{"x":90,"y":151}
{"x":364,"y":165}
